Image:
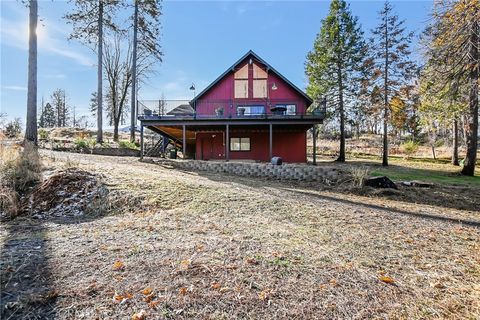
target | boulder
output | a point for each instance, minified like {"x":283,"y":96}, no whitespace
{"x":380,"y":182}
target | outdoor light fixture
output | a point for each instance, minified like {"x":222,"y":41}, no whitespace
{"x":274,"y":86}
{"x":192,"y":87}
{"x":250,"y":61}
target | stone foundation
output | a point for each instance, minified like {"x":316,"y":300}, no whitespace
{"x":246,"y":169}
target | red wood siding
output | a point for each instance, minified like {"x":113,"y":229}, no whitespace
{"x":291,"y":146}
{"x":222,"y":95}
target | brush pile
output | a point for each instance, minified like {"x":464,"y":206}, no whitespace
{"x":67,"y":193}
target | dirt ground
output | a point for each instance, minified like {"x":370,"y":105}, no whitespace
{"x":195,"y":245}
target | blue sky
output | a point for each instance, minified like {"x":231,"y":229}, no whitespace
{"x":200,"y":40}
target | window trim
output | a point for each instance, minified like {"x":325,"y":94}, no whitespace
{"x":286,"y":108}
{"x":251,"y":106}
{"x":240,"y":144}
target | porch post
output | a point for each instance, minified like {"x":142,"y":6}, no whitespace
{"x":227,"y":142}
{"x":141,"y":140}
{"x":270,"y":138}
{"x":314,"y":133}
{"x":184,"y":142}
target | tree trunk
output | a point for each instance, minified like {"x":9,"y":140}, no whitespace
{"x":31,"y":123}
{"x":115,"y":130}
{"x":455,"y":143}
{"x":134,"y":74}
{"x":472,"y":115}
{"x":99,"y":74}
{"x":385,"y":103}
{"x":433,"y":151}
{"x":341,"y":156}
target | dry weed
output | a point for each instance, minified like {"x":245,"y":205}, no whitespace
{"x":20,"y":169}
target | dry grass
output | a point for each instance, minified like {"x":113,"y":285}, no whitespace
{"x":20,"y":168}
{"x":184,"y":245}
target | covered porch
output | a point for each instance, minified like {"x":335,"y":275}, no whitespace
{"x":235,"y":140}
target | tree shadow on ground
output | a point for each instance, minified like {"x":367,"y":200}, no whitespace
{"x":441,"y":197}
{"x":26,"y":273}
{"x":26,"y":278}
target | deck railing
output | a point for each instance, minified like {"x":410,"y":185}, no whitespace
{"x":227,"y":109}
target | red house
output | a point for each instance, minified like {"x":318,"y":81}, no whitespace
{"x":250,"y":111}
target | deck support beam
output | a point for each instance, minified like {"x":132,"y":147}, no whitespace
{"x":141,"y":141}
{"x":227,"y":142}
{"x":314,"y":133}
{"x":270,"y":139}
{"x":184,"y":141}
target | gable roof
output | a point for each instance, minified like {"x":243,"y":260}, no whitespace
{"x":183,"y":109}
{"x":269,"y":67}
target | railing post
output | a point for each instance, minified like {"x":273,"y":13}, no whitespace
{"x":184,"y":141}
{"x":270,"y":140}
{"x":141,"y":140}
{"x":227,"y":142}
{"x":314,"y":133}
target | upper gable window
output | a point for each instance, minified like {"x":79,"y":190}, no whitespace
{"x":259,"y":82}
{"x":241,"y":82}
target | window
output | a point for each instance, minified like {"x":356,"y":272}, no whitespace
{"x":241,"y":82}
{"x":290,"y":109}
{"x":251,"y":110}
{"x":259,"y":82}
{"x":239,"y":144}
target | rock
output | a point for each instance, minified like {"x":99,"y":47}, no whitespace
{"x":419,"y":184}
{"x":380,"y":182}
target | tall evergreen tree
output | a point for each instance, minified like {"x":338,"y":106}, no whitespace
{"x":453,"y":54}
{"x":146,"y":28}
{"x":393,"y":69}
{"x":335,"y":60}
{"x":31,"y":123}
{"x":89,"y":19}
{"x":47,"y":117}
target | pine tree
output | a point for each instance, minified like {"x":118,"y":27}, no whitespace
{"x":89,"y":19}
{"x":47,"y":117}
{"x":334,"y":62}
{"x":393,"y":69}
{"x":453,"y":55}
{"x":31,"y":123}
{"x":146,"y":23}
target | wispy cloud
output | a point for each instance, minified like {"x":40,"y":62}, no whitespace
{"x":15,"y":88}
{"x":51,"y":39}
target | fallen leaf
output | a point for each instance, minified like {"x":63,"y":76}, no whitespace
{"x":149,"y":298}
{"x":118,"y":265}
{"x":387,"y":279}
{"x":184,"y":264}
{"x":333,"y":282}
{"x":142,"y":315}
{"x":154,"y":304}
{"x":251,"y":261}
{"x":216,"y":285}
{"x":265,"y":294}
{"x":183,"y":291}
{"x":147,"y":291}
{"x":224,"y":289}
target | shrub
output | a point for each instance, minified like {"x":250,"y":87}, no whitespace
{"x":409,"y":148}
{"x":359,"y":175}
{"x":13,"y":128}
{"x":127,"y":145}
{"x":20,"y":170}
{"x":82,"y":144}
{"x":42,"y":134}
